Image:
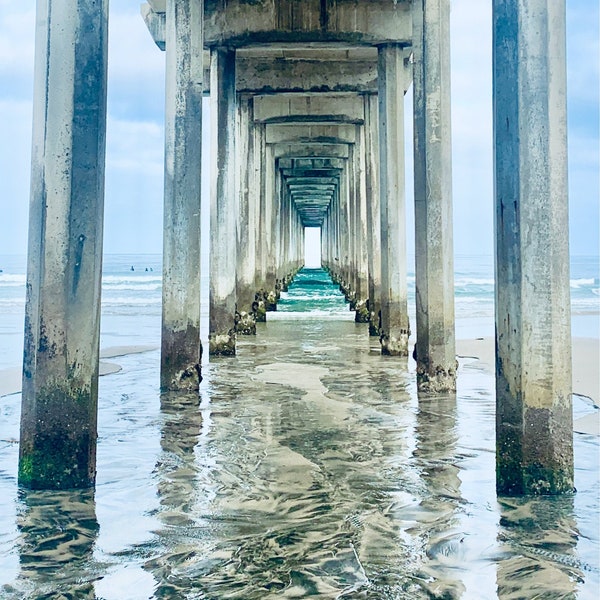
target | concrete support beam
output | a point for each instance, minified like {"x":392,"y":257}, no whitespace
{"x":373,"y":211}
{"x":181,"y":349}
{"x":350,"y":282}
{"x":62,"y":317}
{"x":340,"y":108}
{"x":239,"y":22}
{"x":285,"y":74}
{"x":246,"y":230}
{"x":270,"y":224}
{"x":534,"y":435}
{"x":259,"y":161}
{"x":310,"y":134}
{"x":395,"y":329}
{"x":224,"y":206}
{"x":435,"y":351}
{"x":360,"y":229}
{"x":310,"y":150}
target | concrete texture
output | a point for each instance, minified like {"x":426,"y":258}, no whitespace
{"x":181,"y":351}
{"x":533,"y":345}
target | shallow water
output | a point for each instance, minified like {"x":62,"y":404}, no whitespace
{"x":308,"y":467}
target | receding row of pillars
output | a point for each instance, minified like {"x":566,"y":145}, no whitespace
{"x":257,"y":237}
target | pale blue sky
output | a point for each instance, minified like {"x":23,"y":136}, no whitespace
{"x":134,"y":184}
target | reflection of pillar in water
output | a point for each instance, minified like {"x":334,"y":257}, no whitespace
{"x":58,"y":531}
{"x":435,"y":451}
{"x":182,"y":421}
{"x":539,"y":535}
{"x":176,"y":472}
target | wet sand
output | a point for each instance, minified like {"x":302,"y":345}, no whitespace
{"x":10,"y":379}
{"x":586,"y":371}
{"x":308,"y":467}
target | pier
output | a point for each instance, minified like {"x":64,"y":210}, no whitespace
{"x":307,"y":100}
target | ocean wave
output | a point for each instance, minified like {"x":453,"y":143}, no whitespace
{"x":131,"y":279}
{"x":145,"y":301}
{"x":588,"y":304}
{"x":312,"y":314}
{"x":12,"y":279}
{"x":464,"y":281}
{"x":12,"y":305}
{"x":312,"y":298}
{"x":149,"y":287}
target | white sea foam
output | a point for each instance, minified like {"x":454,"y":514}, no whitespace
{"x":129,"y":300}
{"x":12,"y":279}
{"x":150,"y":287}
{"x":463,"y":281}
{"x":130,"y":279}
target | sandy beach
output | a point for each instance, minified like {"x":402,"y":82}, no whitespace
{"x":10,"y":379}
{"x":586,"y":371}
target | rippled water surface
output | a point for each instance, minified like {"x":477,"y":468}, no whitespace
{"x":309,"y":467}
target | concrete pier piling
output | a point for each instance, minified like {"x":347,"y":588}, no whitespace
{"x":308,"y":132}
{"x":395,"y":329}
{"x":533,"y":336}
{"x":373,"y":211}
{"x":62,"y":315}
{"x":434,"y":351}
{"x":181,"y":349}
{"x":247,"y":221}
{"x":224,"y":206}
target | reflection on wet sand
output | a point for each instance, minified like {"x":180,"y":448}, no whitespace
{"x":308,"y":468}
{"x":57,"y":535}
{"x":314,"y":483}
{"x":538,"y":536}
{"x":437,"y":461}
{"x":175,"y":472}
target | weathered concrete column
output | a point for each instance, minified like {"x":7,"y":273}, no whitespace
{"x":246,"y":230}
{"x":271,"y":223}
{"x":435,"y":351}
{"x":284,"y":241}
{"x":181,"y":349}
{"x":325,"y":238}
{"x":360,"y":229}
{"x":337,"y":220}
{"x":352,"y":233}
{"x":260,"y":242}
{"x":344,"y":231}
{"x":534,"y":435}
{"x":395,"y":329}
{"x":224,"y":205}
{"x":62,"y":316}
{"x":373,"y":212}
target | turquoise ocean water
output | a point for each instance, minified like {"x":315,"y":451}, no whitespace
{"x":128,"y":293}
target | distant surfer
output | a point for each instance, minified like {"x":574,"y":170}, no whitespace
{"x":132,"y":269}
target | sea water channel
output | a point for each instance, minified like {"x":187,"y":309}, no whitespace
{"x":307,"y":467}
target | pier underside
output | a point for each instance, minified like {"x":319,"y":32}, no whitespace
{"x":307,"y":100}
